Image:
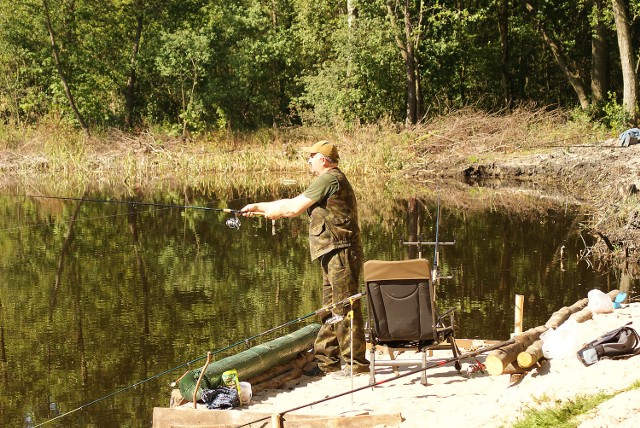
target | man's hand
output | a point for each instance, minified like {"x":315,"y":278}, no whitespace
{"x":251,"y":209}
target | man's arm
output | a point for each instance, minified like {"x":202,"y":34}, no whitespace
{"x":281,"y":208}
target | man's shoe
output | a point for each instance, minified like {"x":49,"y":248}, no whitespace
{"x":346,"y":372}
{"x":313,"y":372}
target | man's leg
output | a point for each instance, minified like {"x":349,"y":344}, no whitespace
{"x":343,"y":271}
{"x":326,"y":346}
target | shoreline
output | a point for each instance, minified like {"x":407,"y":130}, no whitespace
{"x":602,"y":176}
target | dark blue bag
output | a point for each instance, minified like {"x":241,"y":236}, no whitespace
{"x":622,"y":342}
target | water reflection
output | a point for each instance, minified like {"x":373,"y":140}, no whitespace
{"x":97,"y":297}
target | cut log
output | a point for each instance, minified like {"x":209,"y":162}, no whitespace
{"x":277,"y":381}
{"x":297,"y":363}
{"x":531,"y":355}
{"x":583,"y":315}
{"x":514,"y":368}
{"x":497,"y":361}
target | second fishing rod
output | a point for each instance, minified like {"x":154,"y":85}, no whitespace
{"x":323,"y":310}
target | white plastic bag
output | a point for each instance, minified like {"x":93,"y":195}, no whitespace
{"x":245,"y":393}
{"x":562,"y":341}
{"x":599,"y":303}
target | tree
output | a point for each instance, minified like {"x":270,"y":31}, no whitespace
{"x":629,"y":76}
{"x":129,"y":91}
{"x":503,"y":27}
{"x":61,"y":73}
{"x":569,"y":67}
{"x":183,"y":60}
{"x":408,"y":41}
{"x":599,"y":54}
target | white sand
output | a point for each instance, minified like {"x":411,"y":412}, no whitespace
{"x":453,"y":399}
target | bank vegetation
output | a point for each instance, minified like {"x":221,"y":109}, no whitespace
{"x":523,"y":162}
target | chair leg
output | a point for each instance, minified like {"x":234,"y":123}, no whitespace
{"x":456,"y":353}
{"x":423,"y":376}
{"x":372,"y":364}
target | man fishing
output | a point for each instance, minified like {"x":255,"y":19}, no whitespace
{"x":334,"y":238}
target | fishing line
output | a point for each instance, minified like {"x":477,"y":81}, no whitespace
{"x":28,"y":226}
{"x":124,"y":202}
{"x":245,"y":341}
{"x":232,"y":222}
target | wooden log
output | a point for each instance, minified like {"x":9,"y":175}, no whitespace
{"x":277,"y":381}
{"x":582,"y":315}
{"x":514,"y":368}
{"x":498,"y":360}
{"x":299,"y":362}
{"x":531,"y":355}
{"x":558,"y":317}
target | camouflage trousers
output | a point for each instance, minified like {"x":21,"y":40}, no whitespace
{"x":340,"y":271}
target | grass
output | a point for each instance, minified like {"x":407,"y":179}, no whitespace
{"x":384,"y":161}
{"x":153,"y":158}
{"x":566,"y":415}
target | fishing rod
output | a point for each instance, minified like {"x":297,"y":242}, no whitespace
{"x":469,"y":354}
{"x":232,"y":223}
{"x":436,"y":255}
{"x":330,"y":307}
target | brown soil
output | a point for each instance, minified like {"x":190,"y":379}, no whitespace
{"x":602,"y":177}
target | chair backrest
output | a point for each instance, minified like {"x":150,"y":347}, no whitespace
{"x":399,"y":294}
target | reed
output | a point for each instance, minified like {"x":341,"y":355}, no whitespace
{"x":62,"y":160}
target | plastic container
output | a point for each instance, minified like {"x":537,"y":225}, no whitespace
{"x":245,"y":393}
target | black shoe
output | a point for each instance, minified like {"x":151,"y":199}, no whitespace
{"x":313,"y":372}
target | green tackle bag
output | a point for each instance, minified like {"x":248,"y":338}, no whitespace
{"x":622,"y":342}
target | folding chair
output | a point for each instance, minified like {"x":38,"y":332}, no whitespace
{"x":403,"y":315}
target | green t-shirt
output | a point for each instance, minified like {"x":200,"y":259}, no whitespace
{"x":322,"y":187}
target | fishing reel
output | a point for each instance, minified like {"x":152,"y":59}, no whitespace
{"x":233,"y":222}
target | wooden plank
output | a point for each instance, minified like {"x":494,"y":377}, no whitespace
{"x":204,"y":418}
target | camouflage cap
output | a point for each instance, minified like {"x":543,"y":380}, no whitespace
{"x":324,"y":147}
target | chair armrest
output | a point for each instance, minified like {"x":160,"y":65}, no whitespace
{"x":448,"y":313}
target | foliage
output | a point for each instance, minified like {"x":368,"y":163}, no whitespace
{"x":194,"y":65}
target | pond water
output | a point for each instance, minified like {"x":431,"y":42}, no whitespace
{"x":102,"y":305}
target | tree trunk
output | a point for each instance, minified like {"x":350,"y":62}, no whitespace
{"x":598,"y":56}
{"x":503,"y":27}
{"x":351,"y":9}
{"x":629,"y":76}
{"x":410,"y":63}
{"x":408,"y":55}
{"x":63,"y":78}
{"x":568,"y":67}
{"x":129,"y":91}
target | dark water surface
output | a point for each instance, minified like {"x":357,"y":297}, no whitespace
{"x":100,"y":301}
